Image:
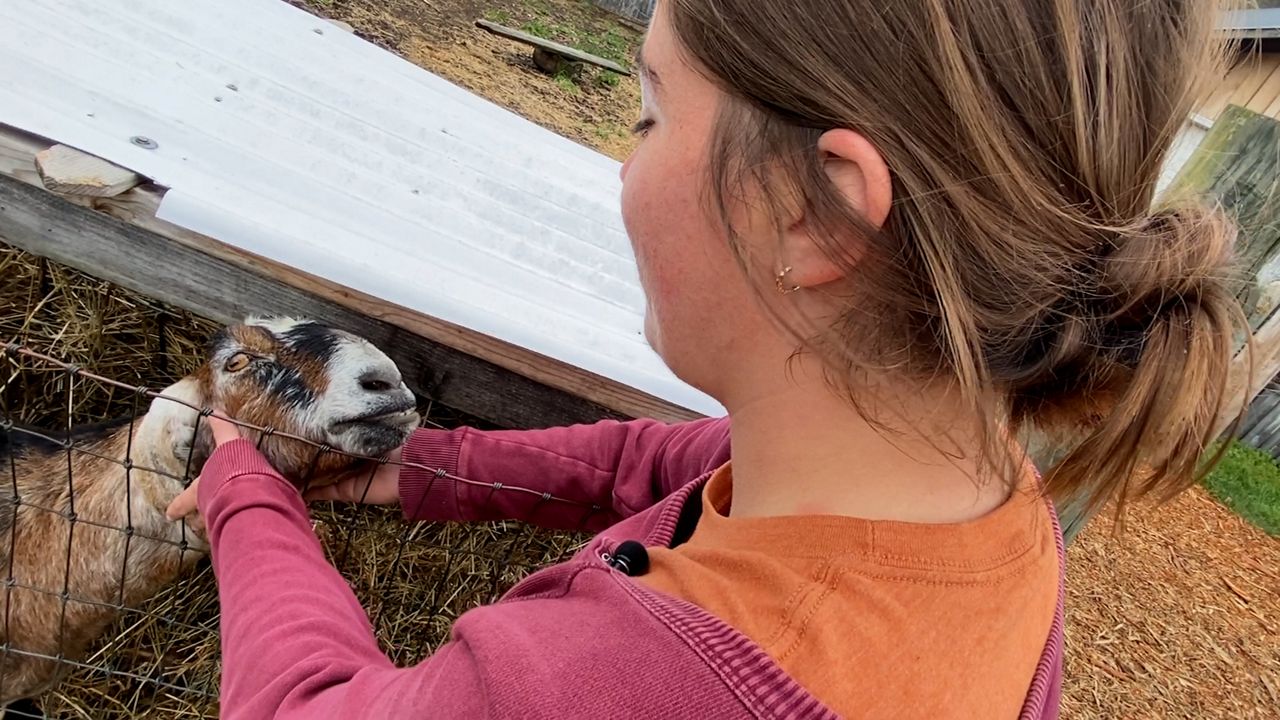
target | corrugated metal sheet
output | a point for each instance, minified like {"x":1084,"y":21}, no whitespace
{"x":286,"y":137}
{"x":1254,"y":23}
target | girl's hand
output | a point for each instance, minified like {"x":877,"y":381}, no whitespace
{"x":378,"y":485}
{"x":224,"y":431}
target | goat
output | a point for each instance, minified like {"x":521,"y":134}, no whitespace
{"x":84,"y":532}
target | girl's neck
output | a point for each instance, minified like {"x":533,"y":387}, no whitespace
{"x":805,"y":451}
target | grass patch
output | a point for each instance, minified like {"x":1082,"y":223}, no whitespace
{"x":502,"y":17}
{"x":610,"y":130}
{"x":541,"y":28}
{"x":1248,"y":482}
{"x":567,"y":81}
{"x":610,"y":45}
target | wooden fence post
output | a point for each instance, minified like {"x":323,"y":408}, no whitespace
{"x":1238,"y":166}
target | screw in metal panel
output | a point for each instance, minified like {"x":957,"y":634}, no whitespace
{"x":144,"y":142}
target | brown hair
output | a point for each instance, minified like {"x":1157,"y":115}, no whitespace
{"x":1022,"y":257}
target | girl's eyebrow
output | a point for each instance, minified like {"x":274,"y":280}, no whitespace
{"x":645,"y":69}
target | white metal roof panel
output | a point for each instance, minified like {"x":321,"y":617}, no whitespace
{"x":281,"y":135}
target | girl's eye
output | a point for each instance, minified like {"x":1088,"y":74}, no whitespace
{"x":642,"y":128}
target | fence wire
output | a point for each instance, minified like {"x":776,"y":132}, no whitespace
{"x":156,"y":656}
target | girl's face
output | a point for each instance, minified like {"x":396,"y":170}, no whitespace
{"x":700,"y":314}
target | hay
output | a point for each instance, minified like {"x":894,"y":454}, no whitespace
{"x":162,"y":659}
{"x":81,"y":319}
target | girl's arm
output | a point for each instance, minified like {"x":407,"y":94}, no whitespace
{"x":295,"y":641}
{"x":620,"y":467}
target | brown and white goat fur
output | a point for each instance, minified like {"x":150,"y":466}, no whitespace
{"x":294,"y":376}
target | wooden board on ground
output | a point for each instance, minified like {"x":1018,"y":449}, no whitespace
{"x":550,"y":56}
{"x":121,"y":240}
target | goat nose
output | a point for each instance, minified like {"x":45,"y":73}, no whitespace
{"x":375,"y":381}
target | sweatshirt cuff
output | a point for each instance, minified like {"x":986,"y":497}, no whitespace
{"x":425,"y":494}
{"x":228,"y":462}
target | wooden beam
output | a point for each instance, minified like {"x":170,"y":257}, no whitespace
{"x":69,"y":171}
{"x":473,"y":372}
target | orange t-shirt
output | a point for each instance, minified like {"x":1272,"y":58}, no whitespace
{"x":880,"y":619}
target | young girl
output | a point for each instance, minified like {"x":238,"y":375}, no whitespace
{"x":889,"y":238}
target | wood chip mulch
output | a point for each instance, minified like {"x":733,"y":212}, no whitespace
{"x":1178,"y":616}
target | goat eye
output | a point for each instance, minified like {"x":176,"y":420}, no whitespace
{"x":238,"y":362}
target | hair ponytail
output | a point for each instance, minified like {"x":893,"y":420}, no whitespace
{"x":1151,"y":380}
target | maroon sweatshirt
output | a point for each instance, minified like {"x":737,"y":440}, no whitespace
{"x":580,"y":639}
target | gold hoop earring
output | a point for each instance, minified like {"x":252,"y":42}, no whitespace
{"x":783,"y":289}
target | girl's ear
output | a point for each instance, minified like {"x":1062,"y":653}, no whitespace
{"x":858,"y":172}
{"x":860,"y":177}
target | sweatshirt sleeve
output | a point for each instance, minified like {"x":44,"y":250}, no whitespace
{"x":295,"y":641}
{"x":609,"y":470}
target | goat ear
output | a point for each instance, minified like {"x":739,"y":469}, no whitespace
{"x":180,"y":424}
{"x":202,"y":448}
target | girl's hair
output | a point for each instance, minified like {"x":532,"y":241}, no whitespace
{"x":1022,"y":257}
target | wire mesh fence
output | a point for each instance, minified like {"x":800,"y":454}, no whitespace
{"x":640,"y":11}
{"x":105,"y":616}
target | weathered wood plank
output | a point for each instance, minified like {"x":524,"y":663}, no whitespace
{"x":44,"y":224}
{"x":138,"y":207}
{"x":1250,"y":372}
{"x":1268,"y":90}
{"x":1238,"y":166}
{"x":69,"y":171}
{"x":1262,"y":429}
{"x":18,"y":157}
{"x":564,"y":51}
{"x":1259,"y":411}
{"x":1253,"y":72}
{"x":1220,"y":96}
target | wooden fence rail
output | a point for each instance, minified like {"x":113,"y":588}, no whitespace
{"x":1261,"y":427}
{"x":638,"y":10}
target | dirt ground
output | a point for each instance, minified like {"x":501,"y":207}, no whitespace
{"x":1177,"y":617}
{"x":597,"y":109}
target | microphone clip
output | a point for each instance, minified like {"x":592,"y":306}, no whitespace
{"x":630,"y":557}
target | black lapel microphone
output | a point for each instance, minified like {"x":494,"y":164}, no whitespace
{"x":631,"y":558}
